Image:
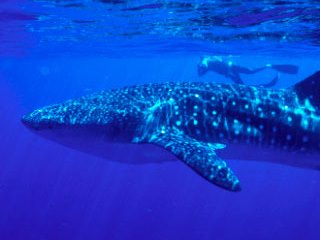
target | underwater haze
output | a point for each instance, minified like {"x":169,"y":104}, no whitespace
{"x":54,"y":50}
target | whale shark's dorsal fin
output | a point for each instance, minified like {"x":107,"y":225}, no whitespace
{"x":200,"y":156}
{"x":309,"y":89}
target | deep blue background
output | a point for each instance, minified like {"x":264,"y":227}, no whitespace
{"x":48,"y":191}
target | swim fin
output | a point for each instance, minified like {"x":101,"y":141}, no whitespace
{"x":285,"y":68}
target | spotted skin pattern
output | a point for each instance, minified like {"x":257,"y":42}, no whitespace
{"x":194,"y":121}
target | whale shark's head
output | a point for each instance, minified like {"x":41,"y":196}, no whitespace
{"x":112,"y":115}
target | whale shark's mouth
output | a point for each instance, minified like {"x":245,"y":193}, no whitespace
{"x":59,"y":131}
{"x":27,"y":121}
{"x":47,"y":117}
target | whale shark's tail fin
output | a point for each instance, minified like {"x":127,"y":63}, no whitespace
{"x":309,"y":89}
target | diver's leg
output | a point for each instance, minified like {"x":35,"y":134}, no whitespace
{"x":246,"y":70}
{"x":235,"y":77}
{"x":272,"y":82}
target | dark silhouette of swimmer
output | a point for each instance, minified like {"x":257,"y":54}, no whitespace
{"x":232,"y":71}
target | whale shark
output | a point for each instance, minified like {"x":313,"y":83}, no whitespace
{"x":201,"y":124}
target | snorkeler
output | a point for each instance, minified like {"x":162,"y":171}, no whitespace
{"x":232,"y":71}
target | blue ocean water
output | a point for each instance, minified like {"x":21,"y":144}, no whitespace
{"x":53,"y":50}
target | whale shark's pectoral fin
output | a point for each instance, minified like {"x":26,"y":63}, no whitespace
{"x":200,"y":156}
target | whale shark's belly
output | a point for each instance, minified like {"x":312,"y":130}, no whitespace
{"x":94,"y":143}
